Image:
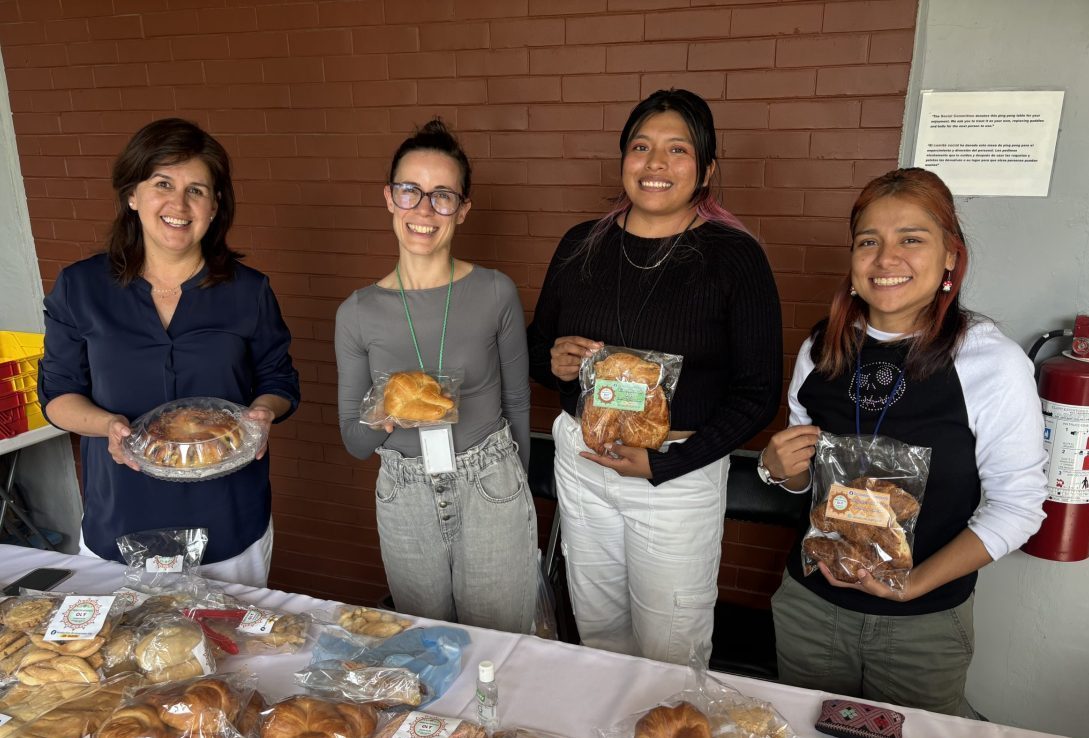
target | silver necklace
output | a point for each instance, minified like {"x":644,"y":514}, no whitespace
{"x":668,"y":253}
{"x":171,"y":291}
{"x":646,"y":298}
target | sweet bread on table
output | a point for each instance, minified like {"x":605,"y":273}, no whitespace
{"x":682,"y":721}
{"x":203,"y":706}
{"x":314,"y":718}
{"x":415,"y":396}
{"x":187,"y":437}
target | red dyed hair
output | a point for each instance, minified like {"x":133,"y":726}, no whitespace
{"x":942,"y":324}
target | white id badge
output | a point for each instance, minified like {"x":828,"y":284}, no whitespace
{"x":437,"y":445}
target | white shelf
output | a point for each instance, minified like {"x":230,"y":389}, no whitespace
{"x":7,"y":445}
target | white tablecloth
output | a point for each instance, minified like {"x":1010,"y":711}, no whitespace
{"x":564,"y":689}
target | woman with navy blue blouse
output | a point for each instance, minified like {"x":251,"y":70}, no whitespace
{"x":168,"y":312}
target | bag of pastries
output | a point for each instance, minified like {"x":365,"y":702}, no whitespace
{"x":416,"y":723}
{"x":194,"y":438}
{"x":170,"y":648}
{"x":351,"y":680}
{"x":250,"y":630}
{"x":625,"y":397}
{"x":69,"y":713}
{"x":302,"y":716}
{"x":204,"y":707}
{"x":867,"y":493}
{"x":415,"y":398}
{"x":706,"y":708}
{"x":164,"y":560}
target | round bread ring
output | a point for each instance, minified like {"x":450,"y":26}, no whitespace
{"x":682,"y":721}
{"x":188,"y":437}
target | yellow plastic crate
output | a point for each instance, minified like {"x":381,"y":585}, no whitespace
{"x":19,"y":354}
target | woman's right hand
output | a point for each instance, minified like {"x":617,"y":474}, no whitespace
{"x":789,"y":451}
{"x":117,"y":429}
{"x":568,"y":353}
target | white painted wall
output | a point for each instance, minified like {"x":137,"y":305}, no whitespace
{"x":45,"y":471}
{"x":1030,"y":272}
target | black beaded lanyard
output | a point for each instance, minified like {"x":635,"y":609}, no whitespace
{"x":657,"y":279}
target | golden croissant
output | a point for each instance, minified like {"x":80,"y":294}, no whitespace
{"x":415,"y":396}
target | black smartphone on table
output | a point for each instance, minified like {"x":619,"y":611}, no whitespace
{"x":40,"y":579}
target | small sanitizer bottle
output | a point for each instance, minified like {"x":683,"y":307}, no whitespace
{"x":487,"y":697}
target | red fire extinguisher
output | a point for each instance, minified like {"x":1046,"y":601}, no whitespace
{"x":1064,"y":395}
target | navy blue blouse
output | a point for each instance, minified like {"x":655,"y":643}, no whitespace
{"x":106,"y":342}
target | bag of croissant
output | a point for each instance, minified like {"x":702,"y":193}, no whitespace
{"x":415,"y":398}
{"x":625,"y":397}
{"x":867,"y":493}
{"x":220,"y":706}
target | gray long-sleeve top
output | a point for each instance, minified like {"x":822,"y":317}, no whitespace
{"x":485,"y":339}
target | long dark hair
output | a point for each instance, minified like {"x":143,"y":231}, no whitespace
{"x":435,"y":136}
{"x":942,"y":324}
{"x":163,"y":143}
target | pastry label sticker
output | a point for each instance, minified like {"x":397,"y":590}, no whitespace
{"x":258,"y":622}
{"x":127,"y":599}
{"x":164,"y":563}
{"x":859,"y":506}
{"x":4,"y":719}
{"x":422,"y":725}
{"x":613,"y":395}
{"x":79,"y":618}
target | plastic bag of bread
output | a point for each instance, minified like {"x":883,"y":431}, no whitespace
{"x":205,"y":707}
{"x":193,"y":438}
{"x":705,"y":708}
{"x":163,"y":561}
{"x":250,"y":630}
{"x":77,"y":715}
{"x":867,"y":493}
{"x":416,"y":723}
{"x":170,"y":648}
{"x":415,"y":398}
{"x":625,"y":397}
{"x":432,"y":653}
{"x":302,"y":716}
{"x":368,"y":625}
{"x":358,"y":682}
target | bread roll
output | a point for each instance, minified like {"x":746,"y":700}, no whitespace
{"x":188,"y":437}
{"x":682,"y":721}
{"x":415,"y":396}
{"x":315,"y":718}
{"x":202,"y":707}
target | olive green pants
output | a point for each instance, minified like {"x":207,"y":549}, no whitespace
{"x":911,"y":660}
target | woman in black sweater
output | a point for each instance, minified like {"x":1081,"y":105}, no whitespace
{"x":670,"y":270}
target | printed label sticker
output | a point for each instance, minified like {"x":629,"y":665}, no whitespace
{"x":629,"y":396}
{"x":79,"y":618}
{"x":859,"y":506}
{"x":164,"y":563}
{"x":422,"y":725}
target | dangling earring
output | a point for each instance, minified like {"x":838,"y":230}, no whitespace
{"x":852,"y":291}
{"x":947,"y":283}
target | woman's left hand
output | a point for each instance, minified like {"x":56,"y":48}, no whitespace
{"x":627,"y":461}
{"x":866,"y":583}
{"x":264,"y":415}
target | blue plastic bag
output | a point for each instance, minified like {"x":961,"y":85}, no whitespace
{"x":434,"y":654}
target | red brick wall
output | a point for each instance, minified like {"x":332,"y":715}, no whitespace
{"x":312,"y":97}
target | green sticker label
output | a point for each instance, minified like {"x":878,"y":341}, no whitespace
{"x":630,"y":396}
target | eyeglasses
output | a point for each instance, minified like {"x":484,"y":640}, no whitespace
{"x":408,"y":196}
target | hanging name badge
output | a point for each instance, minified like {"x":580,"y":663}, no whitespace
{"x":437,"y":446}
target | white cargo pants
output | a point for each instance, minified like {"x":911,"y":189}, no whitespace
{"x":642,"y":561}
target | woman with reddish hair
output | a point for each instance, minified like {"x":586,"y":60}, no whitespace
{"x":898,"y":351}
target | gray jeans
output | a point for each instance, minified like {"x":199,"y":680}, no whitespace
{"x":462,"y":546}
{"x":912,"y":660}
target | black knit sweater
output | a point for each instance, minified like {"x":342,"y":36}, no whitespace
{"x":713,"y":301}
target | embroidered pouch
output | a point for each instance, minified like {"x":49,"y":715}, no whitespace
{"x":858,"y":720}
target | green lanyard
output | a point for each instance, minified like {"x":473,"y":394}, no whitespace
{"x":445,"y":315}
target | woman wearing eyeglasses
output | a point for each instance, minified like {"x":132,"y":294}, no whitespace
{"x":458,"y":546}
